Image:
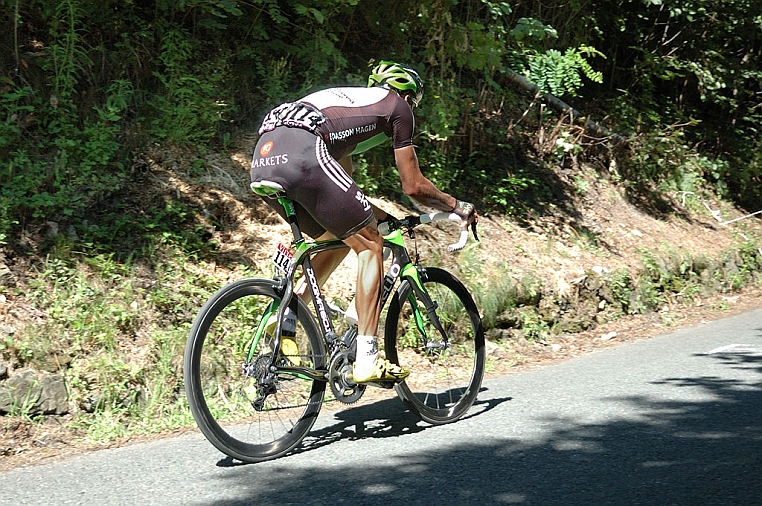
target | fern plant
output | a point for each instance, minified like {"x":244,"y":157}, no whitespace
{"x":561,"y":73}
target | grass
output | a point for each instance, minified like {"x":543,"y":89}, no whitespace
{"x":118,"y":339}
{"x":533,"y":310}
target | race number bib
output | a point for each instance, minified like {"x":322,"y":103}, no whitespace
{"x":282,"y":258}
{"x":293,"y":114}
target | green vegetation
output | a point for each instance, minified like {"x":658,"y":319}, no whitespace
{"x":87,"y":87}
{"x":531,"y":309}
{"x":77,"y":101}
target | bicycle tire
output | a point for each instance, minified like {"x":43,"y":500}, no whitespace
{"x":221,"y":396}
{"x":443,"y":384}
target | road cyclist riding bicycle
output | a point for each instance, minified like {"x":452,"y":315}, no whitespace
{"x":305,"y":149}
{"x":258,"y":360}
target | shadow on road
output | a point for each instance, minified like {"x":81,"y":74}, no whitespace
{"x":372,"y":421}
{"x":706,"y":452}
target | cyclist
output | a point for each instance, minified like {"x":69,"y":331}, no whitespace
{"x":306,"y":146}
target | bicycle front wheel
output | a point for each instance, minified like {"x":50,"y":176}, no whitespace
{"x":242,"y":410}
{"x":446,"y":371}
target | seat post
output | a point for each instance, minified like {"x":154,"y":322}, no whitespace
{"x":288,"y":205}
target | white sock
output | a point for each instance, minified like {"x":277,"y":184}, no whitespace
{"x":367,"y":351}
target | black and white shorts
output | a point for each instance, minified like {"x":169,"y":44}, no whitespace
{"x":326,"y":198}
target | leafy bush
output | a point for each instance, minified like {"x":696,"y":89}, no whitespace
{"x":194,"y":101}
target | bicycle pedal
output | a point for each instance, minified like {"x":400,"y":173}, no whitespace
{"x":388,"y":385}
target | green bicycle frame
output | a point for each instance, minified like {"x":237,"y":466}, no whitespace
{"x":402,"y":267}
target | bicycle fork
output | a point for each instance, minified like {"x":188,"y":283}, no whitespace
{"x":419,"y":295}
{"x":413,"y":275}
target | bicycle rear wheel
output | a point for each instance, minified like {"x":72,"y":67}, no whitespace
{"x":241,"y":411}
{"x":444,"y":379}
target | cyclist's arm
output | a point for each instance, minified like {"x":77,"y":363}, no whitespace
{"x":417,"y":186}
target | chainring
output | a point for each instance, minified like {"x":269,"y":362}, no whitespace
{"x":344,"y":390}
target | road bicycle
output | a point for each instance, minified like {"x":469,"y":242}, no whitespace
{"x":255,"y":393}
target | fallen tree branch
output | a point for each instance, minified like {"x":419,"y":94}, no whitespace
{"x":564,"y":108}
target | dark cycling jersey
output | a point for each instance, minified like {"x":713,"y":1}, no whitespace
{"x":358,"y":119}
{"x":349,"y":120}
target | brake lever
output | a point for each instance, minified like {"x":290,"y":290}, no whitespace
{"x":473,"y":230}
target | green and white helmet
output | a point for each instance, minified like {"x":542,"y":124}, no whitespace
{"x":398,"y":76}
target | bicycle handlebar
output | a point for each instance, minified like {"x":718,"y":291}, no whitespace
{"x":413,"y":221}
{"x":428,"y":218}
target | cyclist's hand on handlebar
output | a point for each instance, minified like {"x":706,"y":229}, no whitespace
{"x":467,"y":212}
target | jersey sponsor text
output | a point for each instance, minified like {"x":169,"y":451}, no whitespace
{"x":349,"y":132}
{"x":266,"y":148}
{"x":270,"y":161}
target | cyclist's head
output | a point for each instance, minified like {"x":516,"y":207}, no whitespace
{"x":399,"y":77}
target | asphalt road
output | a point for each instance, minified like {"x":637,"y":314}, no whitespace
{"x":673,"y":420}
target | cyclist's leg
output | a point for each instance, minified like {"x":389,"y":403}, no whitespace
{"x":334,"y":201}
{"x":367,"y":243}
{"x":320,"y":185}
{"x":283,"y":156}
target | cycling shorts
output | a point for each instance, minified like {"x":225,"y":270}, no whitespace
{"x":325,"y":197}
